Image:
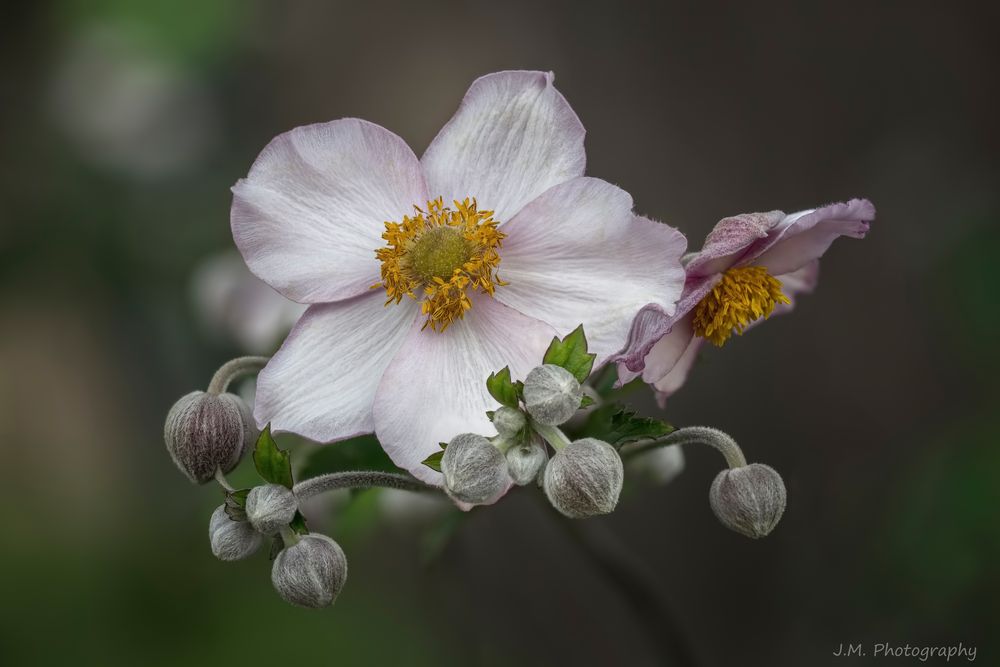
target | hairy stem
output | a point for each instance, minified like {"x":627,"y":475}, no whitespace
{"x":358,"y":479}
{"x":692,"y":434}
{"x":233,"y":369}
{"x":220,"y":477}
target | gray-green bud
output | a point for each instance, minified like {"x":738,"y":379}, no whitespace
{"x":270,"y":508}
{"x":474,"y":470}
{"x":584,"y":478}
{"x":525,"y":461}
{"x":311,"y":572}
{"x":231,"y":540}
{"x":551,"y":394}
{"x":508,"y":421}
{"x":749,"y":499}
{"x":205,"y":432}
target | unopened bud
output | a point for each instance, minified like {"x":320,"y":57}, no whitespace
{"x":311,"y":572}
{"x":508,"y":421}
{"x":474,"y":470}
{"x":205,"y":432}
{"x":551,"y":394}
{"x":270,"y":508}
{"x":749,"y":499}
{"x":584,"y":478}
{"x":525,"y":461}
{"x":231,"y":540}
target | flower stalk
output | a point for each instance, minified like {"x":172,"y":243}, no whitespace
{"x":695,"y":434}
{"x":358,"y":479}
{"x":233,"y":369}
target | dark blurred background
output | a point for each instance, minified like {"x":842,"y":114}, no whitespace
{"x":122,"y":126}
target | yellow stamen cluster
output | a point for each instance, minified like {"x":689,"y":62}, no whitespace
{"x":444,"y":252}
{"x":743,"y":295}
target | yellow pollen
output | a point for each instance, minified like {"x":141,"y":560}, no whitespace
{"x":743,"y":295}
{"x":442,"y":253}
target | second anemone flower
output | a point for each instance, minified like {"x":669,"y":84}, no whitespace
{"x":424,"y":276}
{"x":751,"y":266}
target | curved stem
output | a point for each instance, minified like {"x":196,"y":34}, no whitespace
{"x":551,"y":434}
{"x":358,"y":479}
{"x":233,"y":369}
{"x":691,"y":434}
{"x":220,"y":477}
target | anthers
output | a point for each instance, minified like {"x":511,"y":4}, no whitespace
{"x":743,"y":295}
{"x":443,"y":252}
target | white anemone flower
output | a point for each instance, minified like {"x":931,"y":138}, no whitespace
{"x":425,"y":275}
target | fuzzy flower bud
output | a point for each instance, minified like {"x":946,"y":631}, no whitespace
{"x":474,"y":470}
{"x":584,"y":478}
{"x":551,"y":394}
{"x":508,"y":421}
{"x":231,"y":540}
{"x":525,"y":461}
{"x":205,"y":432}
{"x":749,"y":499}
{"x":270,"y":507}
{"x":311,"y":572}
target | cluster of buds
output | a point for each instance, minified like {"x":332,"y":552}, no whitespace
{"x":309,"y":571}
{"x":581,"y":478}
{"x":207,"y":434}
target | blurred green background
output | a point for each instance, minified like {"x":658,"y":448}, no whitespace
{"x":122,"y":126}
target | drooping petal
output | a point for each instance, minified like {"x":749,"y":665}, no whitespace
{"x":435,"y":387}
{"x":513,"y":137}
{"x":804,"y":236}
{"x":578,"y":255}
{"x":675,"y":379}
{"x":801,"y":281}
{"x":311,"y":212}
{"x":651,"y":324}
{"x":322,"y":381}
{"x":729,"y":241}
{"x":668,"y":350}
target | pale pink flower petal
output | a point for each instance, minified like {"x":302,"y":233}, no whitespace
{"x":435,"y":388}
{"x":675,"y":379}
{"x":310,"y":214}
{"x":322,"y":381}
{"x":804,"y":236}
{"x":513,"y":137}
{"x":727,"y":244}
{"x":577,"y":254}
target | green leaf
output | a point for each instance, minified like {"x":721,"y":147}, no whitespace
{"x":586,"y":401}
{"x":501,"y":388}
{"x":235,"y":503}
{"x":571,"y":353}
{"x":434,"y":461}
{"x":298,"y":524}
{"x":273,"y":464}
{"x":618,"y":426}
{"x":361,"y":453}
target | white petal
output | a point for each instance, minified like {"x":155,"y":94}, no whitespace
{"x":310,"y":215}
{"x":322,"y":381}
{"x":513,"y":137}
{"x":578,"y":255}
{"x":668,"y":350}
{"x":435,"y":388}
{"x":675,"y":379}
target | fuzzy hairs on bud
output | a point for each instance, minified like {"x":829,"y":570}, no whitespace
{"x":204,"y":432}
{"x":584,"y":478}
{"x":749,"y":499}
{"x":525,"y":461}
{"x":311,"y":572}
{"x":508,"y":421}
{"x":231,"y":540}
{"x":270,"y":507}
{"x":475,"y":471}
{"x":551,"y":394}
